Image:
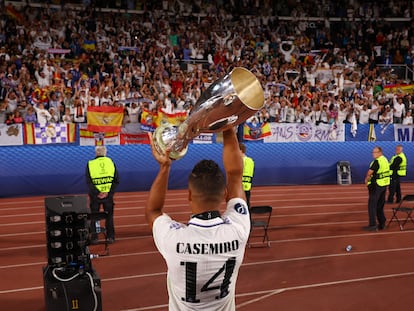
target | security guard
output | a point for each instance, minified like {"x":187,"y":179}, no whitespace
{"x":377,"y":179}
{"x":248,"y":172}
{"x":102,"y":179}
{"x":398,"y":167}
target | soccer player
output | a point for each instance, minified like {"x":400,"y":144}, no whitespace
{"x":204,"y":255}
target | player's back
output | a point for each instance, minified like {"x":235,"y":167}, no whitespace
{"x":203,"y":258}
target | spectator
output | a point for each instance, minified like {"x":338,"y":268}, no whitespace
{"x":30,"y":116}
{"x":408,"y":118}
{"x":275,"y":52}
{"x":67,"y":117}
{"x":10,"y":118}
{"x":42,"y":114}
{"x":54,"y":115}
{"x":17,"y":117}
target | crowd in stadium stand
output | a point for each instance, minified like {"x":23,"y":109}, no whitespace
{"x":55,"y":62}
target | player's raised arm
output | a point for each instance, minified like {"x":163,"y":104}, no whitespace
{"x":233,"y":164}
{"x":156,"y":198}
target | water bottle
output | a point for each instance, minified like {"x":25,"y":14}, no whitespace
{"x":98,"y":226}
{"x":349,"y":248}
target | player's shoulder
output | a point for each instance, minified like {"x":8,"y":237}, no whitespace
{"x":167,"y":223}
{"x":237,"y":206}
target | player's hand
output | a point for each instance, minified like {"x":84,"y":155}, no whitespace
{"x":162,"y":158}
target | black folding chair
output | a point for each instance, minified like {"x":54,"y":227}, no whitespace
{"x":97,"y":231}
{"x":260,"y":219}
{"x":405,"y":207}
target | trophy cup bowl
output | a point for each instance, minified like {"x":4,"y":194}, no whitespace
{"x":229,"y":101}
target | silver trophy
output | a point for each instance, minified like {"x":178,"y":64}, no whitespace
{"x":227,"y":102}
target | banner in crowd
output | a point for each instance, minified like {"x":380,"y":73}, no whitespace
{"x":54,"y":133}
{"x":305,"y":132}
{"x":150,"y":120}
{"x":204,"y":138}
{"x":256,"y":131}
{"x":132,"y":134}
{"x":58,"y":51}
{"x":381,"y":132}
{"x":102,"y":119}
{"x":88,"y":138}
{"x":403,"y":132}
{"x":128,"y":48}
{"x":11,"y":135}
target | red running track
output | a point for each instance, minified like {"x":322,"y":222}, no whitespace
{"x":306,"y":267}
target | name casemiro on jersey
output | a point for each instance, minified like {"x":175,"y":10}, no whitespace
{"x":207,"y":248}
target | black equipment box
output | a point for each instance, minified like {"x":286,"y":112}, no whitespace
{"x":71,"y":288}
{"x":67,"y":230}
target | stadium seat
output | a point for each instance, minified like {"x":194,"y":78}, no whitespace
{"x":260,"y":219}
{"x":405,"y":207}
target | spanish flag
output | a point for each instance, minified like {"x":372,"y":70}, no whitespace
{"x":105,"y":119}
{"x":172,"y":118}
{"x":149,"y":120}
{"x":87,"y":138}
{"x":13,"y":13}
{"x":256,"y":131}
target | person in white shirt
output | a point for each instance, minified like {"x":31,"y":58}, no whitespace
{"x":386,"y":116}
{"x":375,"y":112}
{"x":204,"y":255}
{"x":42,"y":80}
{"x":342,"y":113}
{"x":43,"y":115}
{"x":290,"y":113}
{"x":363,"y":113}
{"x":398,"y":109}
{"x":408,"y":118}
{"x":133,"y":112}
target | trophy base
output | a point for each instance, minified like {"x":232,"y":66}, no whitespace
{"x":164,"y":138}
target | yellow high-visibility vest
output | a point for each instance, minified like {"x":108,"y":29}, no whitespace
{"x":248,"y":171}
{"x":383,"y":173}
{"x":102,"y":171}
{"x":402,"y":169}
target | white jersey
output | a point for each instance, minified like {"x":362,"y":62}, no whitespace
{"x":204,"y":257}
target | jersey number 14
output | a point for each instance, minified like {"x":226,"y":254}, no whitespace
{"x":191,"y":280}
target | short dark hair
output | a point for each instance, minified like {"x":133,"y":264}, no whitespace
{"x":242,"y":147}
{"x":207,"y":178}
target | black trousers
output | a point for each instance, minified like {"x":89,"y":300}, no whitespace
{"x":247,"y":192}
{"x":108,"y":206}
{"x":376,"y":201}
{"x":394,"y":189}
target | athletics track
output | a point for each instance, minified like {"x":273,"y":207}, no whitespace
{"x":306,"y":267}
